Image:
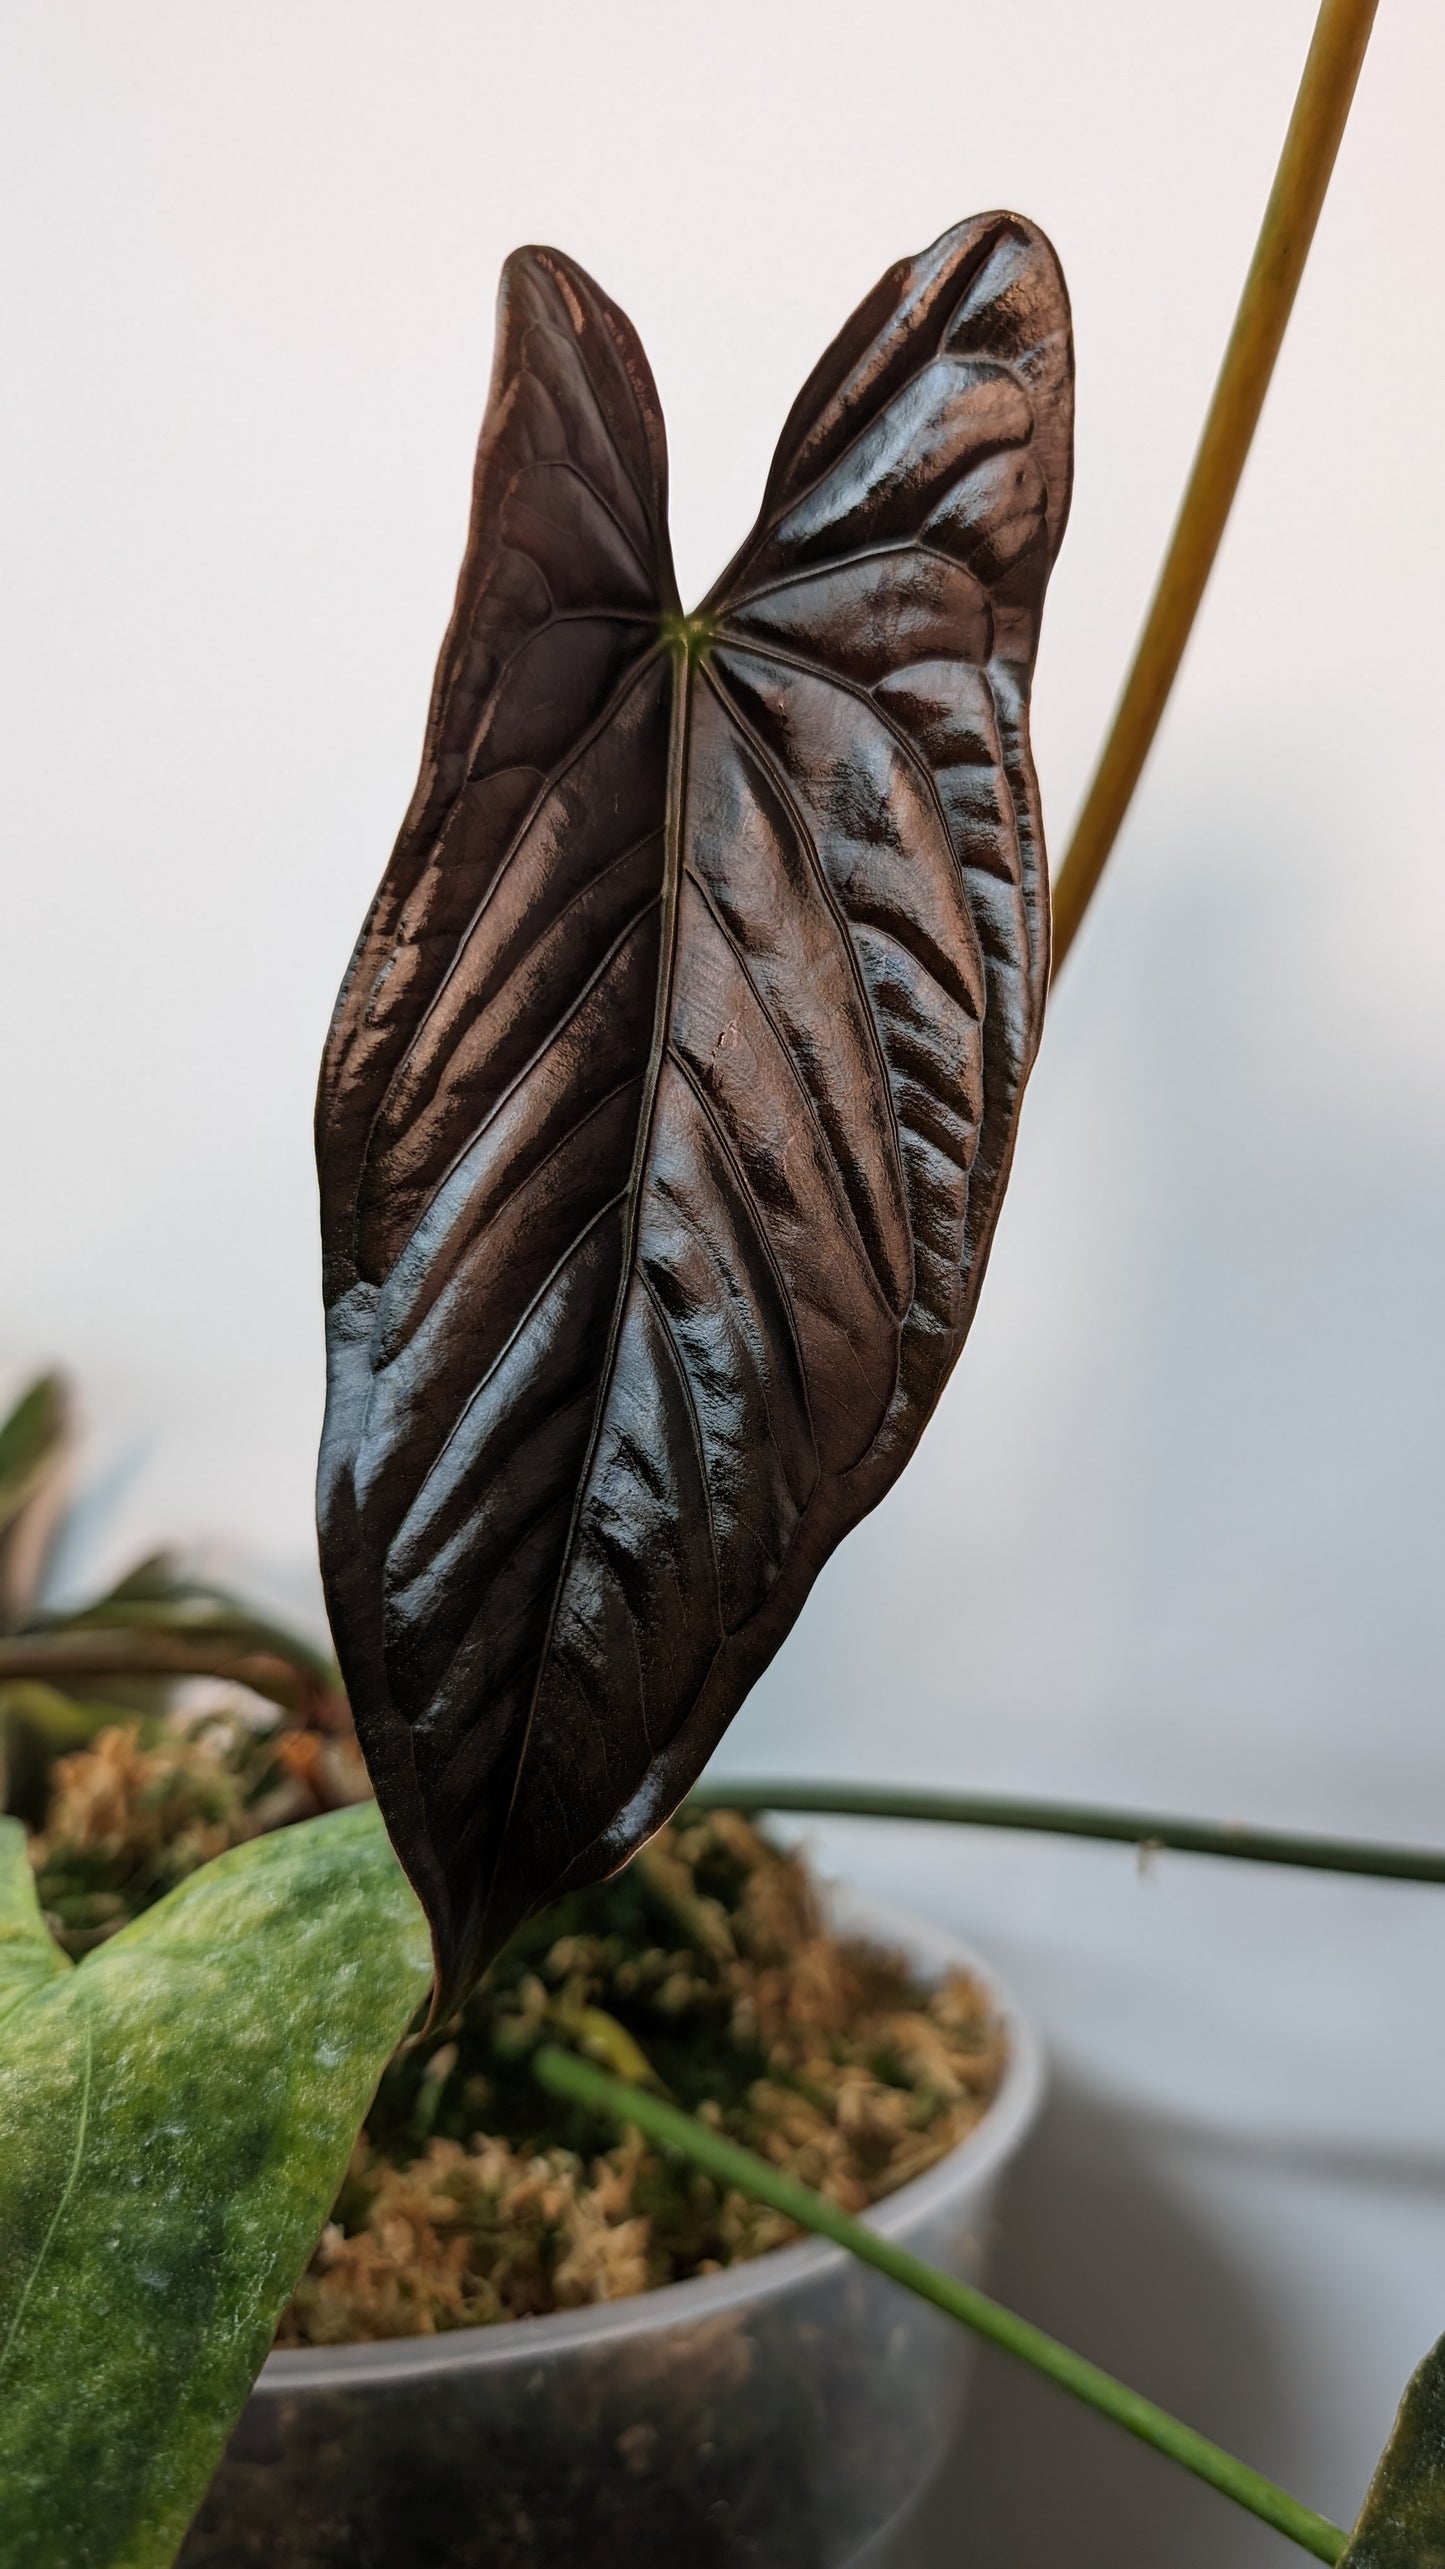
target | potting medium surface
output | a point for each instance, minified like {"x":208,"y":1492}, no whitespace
{"x":789,"y":2410}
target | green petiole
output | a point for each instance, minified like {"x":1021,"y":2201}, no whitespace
{"x":564,"y":2074}
{"x":1143,"y":1829}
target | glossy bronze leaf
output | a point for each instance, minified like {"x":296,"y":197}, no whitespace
{"x":672,"y":1090}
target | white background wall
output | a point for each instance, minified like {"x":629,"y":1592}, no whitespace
{"x":1175,"y":1535}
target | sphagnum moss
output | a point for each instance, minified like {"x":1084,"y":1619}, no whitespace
{"x":707,"y":1970}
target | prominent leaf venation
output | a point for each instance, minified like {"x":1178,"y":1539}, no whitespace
{"x":674,"y":1085}
{"x":670,"y":1337}
{"x":789,"y":1058}
{"x":807,"y":575}
{"x":965,"y":994}
{"x":573,"y":1250}
{"x":828,"y":896}
{"x":835,"y":678}
{"x":626,"y":687}
{"x":677,"y":771}
{"x":748,"y":1197}
{"x":391,"y":1108}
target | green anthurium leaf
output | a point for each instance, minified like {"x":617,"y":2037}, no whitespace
{"x":175,"y":2116}
{"x":33,"y":1446}
{"x":1402,"y":2522}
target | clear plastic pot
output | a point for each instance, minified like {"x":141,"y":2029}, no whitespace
{"x":783,"y":2415}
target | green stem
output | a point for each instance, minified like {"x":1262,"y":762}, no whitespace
{"x":1145,"y":1829}
{"x":1337,"y":49}
{"x":563,"y":2074}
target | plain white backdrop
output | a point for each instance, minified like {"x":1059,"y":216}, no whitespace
{"x":1175,"y":1535}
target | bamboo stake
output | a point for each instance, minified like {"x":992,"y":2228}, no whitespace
{"x":1332,"y":66}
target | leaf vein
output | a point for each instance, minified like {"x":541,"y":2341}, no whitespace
{"x":909,"y":749}
{"x":830,"y":1162}
{"x":646,"y":502}
{"x":850,"y":560}
{"x":842,"y":925}
{"x":677,"y":760}
{"x":695,"y":1421}
{"x":63,"y":2205}
{"x":724,"y":1140}
{"x":560,"y":767}
{"x":538,"y":1298}
{"x":520,"y":1077}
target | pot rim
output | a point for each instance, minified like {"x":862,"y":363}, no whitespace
{"x":290,"y":2370}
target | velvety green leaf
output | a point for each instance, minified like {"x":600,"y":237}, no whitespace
{"x":175,"y":2116}
{"x":1402,"y":2522}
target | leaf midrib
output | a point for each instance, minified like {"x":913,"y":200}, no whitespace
{"x":684,"y":644}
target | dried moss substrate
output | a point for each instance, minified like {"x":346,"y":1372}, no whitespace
{"x":149,"y":1802}
{"x":706,"y":1969}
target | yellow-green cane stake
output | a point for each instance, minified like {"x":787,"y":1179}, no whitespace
{"x":1336,"y":52}
{"x":564,"y":2074}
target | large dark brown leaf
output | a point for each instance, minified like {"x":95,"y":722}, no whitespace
{"x":672,"y":1090}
